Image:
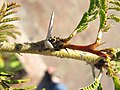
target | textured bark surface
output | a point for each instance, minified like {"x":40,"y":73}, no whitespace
{"x":35,"y":16}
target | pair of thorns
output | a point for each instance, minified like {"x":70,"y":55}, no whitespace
{"x":62,"y":43}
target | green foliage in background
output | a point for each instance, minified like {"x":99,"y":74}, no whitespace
{"x":10,"y":62}
{"x":6,"y":82}
{"x":6,"y":28}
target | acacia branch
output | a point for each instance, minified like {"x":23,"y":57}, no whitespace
{"x":39,"y":48}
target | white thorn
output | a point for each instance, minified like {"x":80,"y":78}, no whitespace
{"x":48,"y":45}
{"x":50,"y":26}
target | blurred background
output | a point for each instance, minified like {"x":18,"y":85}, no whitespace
{"x":35,"y":15}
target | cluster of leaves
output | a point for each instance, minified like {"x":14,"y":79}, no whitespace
{"x":6,"y":81}
{"x":100,"y":8}
{"x":7,"y":29}
{"x":9,"y":62}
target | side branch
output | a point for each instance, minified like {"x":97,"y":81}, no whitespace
{"x":39,"y":48}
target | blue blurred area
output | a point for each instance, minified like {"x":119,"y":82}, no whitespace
{"x":48,"y":84}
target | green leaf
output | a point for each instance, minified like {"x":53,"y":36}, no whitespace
{"x":116,"y":81}
{"x":2,"y":63}
{"x":100,"y":87}
{"x":17,"y":81}
{"x":92,"y":86}
{"x":4,"y":76}
{"x":7,"y":32}
{"x":10,"y":13}
{"x":115,"y":2}
{"x":92,"y":7}
{"x":6,"y":26}
{"x":104,"y":5}
{"x":12,"y":6}
{"x":114,"y":17}
{"x":107,"y":28}
{"x":11,"y":34}
{"x":3,"y":8}
{"x":98,"y":3}
{"x":118,"y":55}
{"x":3,"y":38}
{"x":83,"y":23}
{"x":14,"y":64}
{"x":94,"y":16}
{"x":2,"y":11}
{"x":26,"y":88}
{"x":5,"y":85}
{"x":116,"y":66}
{"x":102,"y":18}
{"x":10,"y":19}
{"x":117,"y":8}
